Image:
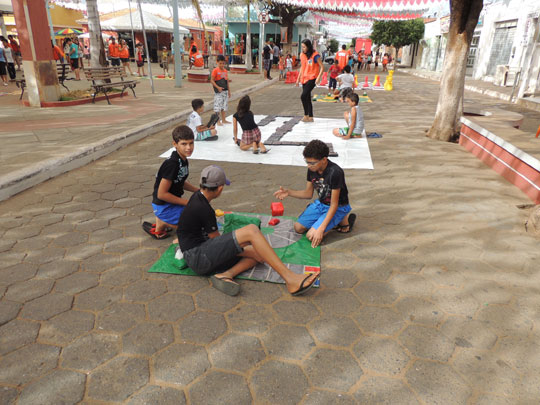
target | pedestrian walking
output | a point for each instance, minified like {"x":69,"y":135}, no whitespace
{"x":267,"y":58}
{"x":15,"y":47}
{"x":139,"y":58}
{"x":124,"y":56}
{"x":311,"y":71}
{"x":74,"y":58}
{"x":10,"y":59}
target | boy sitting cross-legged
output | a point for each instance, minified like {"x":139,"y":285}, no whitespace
{"x":332,"y":209}
{"x":202,"y":132}
{"x":225,"y":256}
{"x":171,"y":181}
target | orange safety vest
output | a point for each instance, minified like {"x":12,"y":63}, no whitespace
{"x":113,"y":50}
{"x":310,"y":69}
{"x":124,"y":53}
{"x":343,"y":58}
{"x":198,"y":60}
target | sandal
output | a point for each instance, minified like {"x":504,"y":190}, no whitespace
{"x":156,"y":235}
{"x":255,"y":151}
{"x":148,"y":225}
{"x":226,"y":285}
{"x":303,"y":288}
{"x":349,"y":226}
{"x":266,"y":150}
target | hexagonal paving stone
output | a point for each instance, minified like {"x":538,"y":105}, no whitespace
{"x":46,"y":219}
{"x":65,"y":327}
{"x":140,"y":257}
{"x":254,"y":319}
{"x":338,"y":302}
{"x":317,"y":397}
{"x":404,"y":263}
{"x":398,"y":245}
{"x":339,"y":259}
{"x":383,"y":390}
{"x":58,"y":270}
{"x":335,"y":330}
{"x":147,"y":338}
{"x":46,"y":307}
{"x":288,"y":341}
{"x":170,"y":307}
{"x":504,"y":319}
{"x":486,"y":370}
{"x":180,"y":364}
{"x":97,"y":298}
{"x":427,"y":342}
{"x":381,"y":355}
{"x":8,"y":311}
{"x":437,"y":383}
{"x":375,"y":293}
{"x":10,"y":259}
{"x":411,"y":284}
{"x":443,"y":277}
{"x":202,"y":327}
{"x":236,"y":352}
{"x":488,"y":292}
{"x":83,"y":252}
{"x":110,"y":213}
{"x":45,"y":255}
{"x":71,"y":239}
{"x":456,"y":302}
{"x":16,"y":334}
{"x":28,"y":363}
{"x":260,"y":293}
{"x":58,"y":387}
{"x":18,"y":272}
{"x":339,"y":279}
{"x":419,"y":310}
{"x":121,"y":276}
{"x":120,"y":316}
{"x":333,"y":369}
{"x":154,"y":394}
{"x":188,"y":285}
{"x":88,"y":352}
{"x":114,"y":195}
{"x":6,"y":245}
{"x":383,"y":321}
{"x":77,"y":282}
{"x":214,"y":300}
{"x":8,"y":395}
{"x":289,"y":378}
{"x":55,"y":230}
{"x":22,"y":232}
{"x":92,"y":225}
{"x":123,"y":245}
{"x":221,"y":388}
{"x":521,"y":352}
{"x":105,"y":235}
{"x":144,"y":290}
{"x":296,"y":311}
{"x":107,"y":384}
{"x":28,"y":290}
{"x":35,"y":243}
{"x":468,"y":333}
{"x":101,"y":262}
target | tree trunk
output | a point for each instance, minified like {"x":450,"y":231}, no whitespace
{"x":97,"y":49}
{"x":463,"y":19}
{"x":248,"y":39}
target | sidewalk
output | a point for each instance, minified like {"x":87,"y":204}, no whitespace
{"x":58,"y":139}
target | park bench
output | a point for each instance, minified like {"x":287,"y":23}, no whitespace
{"x":104,"y":79}
{"x":61,"y":71}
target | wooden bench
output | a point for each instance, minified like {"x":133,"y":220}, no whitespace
{"x":61,"y":69}
{"x":104,"y":79}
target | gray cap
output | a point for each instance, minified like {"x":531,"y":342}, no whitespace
{"x":213,"y":176}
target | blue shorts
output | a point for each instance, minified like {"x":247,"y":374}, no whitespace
{"x":315,"y":213}
{"x":168,"y":213}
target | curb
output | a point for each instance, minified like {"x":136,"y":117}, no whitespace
{"x":20,"y":180}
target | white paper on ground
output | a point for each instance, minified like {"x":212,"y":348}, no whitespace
{"x":352,"y":153}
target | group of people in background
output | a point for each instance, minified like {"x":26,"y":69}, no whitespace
{"x":10,"y":55}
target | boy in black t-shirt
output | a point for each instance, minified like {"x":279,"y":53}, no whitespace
{"x":225,"y":256}
{"x":171,"y":180}
{"x":332,"y":209}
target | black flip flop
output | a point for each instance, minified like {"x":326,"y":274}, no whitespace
{"x":266,"y":150}
{"x":352,"y":220}
{"x":226,"y":285}
{"x":303,"y":288}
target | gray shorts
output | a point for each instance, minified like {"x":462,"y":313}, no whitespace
{"x":221,"y":101}
{"x":215,"y":255}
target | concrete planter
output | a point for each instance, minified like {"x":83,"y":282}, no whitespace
{"x":198,"y":76}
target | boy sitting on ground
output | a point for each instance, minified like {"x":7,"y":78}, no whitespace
{"x":332,"y":209}
{"x":346,"y":83}
{"x":353,"y":118}
{"x":202,"y":132}
{"x":225,"y":256}
{"x":171,"y":180}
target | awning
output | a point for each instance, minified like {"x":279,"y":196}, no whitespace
{"x":5,"y":6}
{"x":151,"y":23}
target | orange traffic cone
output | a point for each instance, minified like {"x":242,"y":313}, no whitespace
{"x":366,"y":84}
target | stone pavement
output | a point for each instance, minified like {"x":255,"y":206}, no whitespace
{"x":432,"y":299}
{"x":40,"y":143}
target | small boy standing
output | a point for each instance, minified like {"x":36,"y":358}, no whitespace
{"x":171,"y":181}
{"x":225,"y":256}
{"x":333,"y":72}
{"x":332,"y":209}
{"x":281,"y":66}
{"x":222,"y":91}
{"x":165,"y":62}
{"x":202,"y":132}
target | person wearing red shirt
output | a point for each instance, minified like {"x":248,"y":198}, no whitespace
{"x":333,"y":72}
{"x":195,"y":58}
{"x":222,"y":91}
{"x":114,"y":52}
{"x":342,"y":57}
{"x":58,"y":55}
{"x":16,"y":51}
{"x":310,"y":75}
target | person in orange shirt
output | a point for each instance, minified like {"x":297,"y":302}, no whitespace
{"x":195,"y":58}
{"x":58,"y":55}
{"x":114,"y":52}
{"x":311,"y":71}
{"x":123,"y":53}
{"x":342,"y":58}
{"x":16,"y":51}
{"x":222,"y":90}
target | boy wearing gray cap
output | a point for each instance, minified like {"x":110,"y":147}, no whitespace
{"x":225,"y":256}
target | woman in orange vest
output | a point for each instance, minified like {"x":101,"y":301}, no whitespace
{"x":123,"y":52}
{"x":195,"y":58}
{"x":311,"y":71}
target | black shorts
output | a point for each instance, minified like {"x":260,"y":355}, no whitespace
{"x":2,"y":68}
{"x":140,"y":63}
{"x":75,"y":63}
{"x":216,"y":255}
{"x":115,"y":62}
{"x":124,"y":60}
